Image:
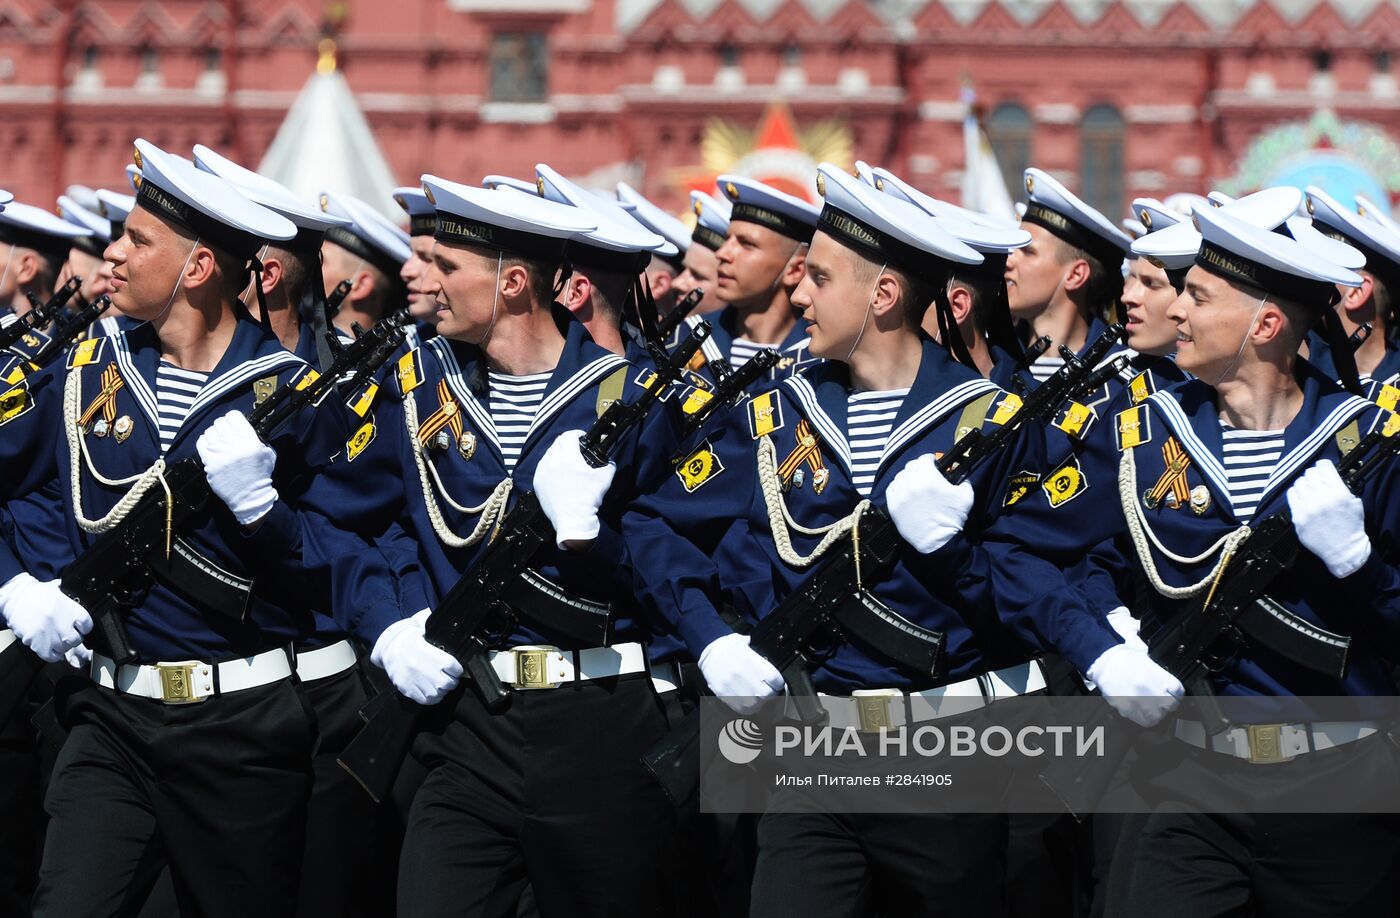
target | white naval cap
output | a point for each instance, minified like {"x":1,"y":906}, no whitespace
{"x":311,"y":222}
{"x":617,"y":243}
{"x":1054,"y":207}
{"x":885,"y":229}
{"x":866,"y":173}
{"x":369,"y":234}
{"x":1183,"y":202}
{"x":96,"y":224}
{"x":983,"y":233}
{"x":1379,"y":242}
{"x":1155,"y":215}
{"x":114,"y":206}
{"x":422,"y":216}
{"x":1134,"y":227}
{"x":35,"y":228}
{"x":1174,"y":247}
{"x":503,"y":219}
{"x":1372,"y":211}
{"x":1171,"y":241}
{"x":655,"y":219}
{"x":505,"y":181}
{"x":1271,"y":262}
{"x":711,"y":220}
{"x":752,"y":201}
{"x":82,"y":195}
{"x":170,"y":187}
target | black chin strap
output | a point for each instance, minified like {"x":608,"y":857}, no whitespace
{"x":320,"y":323}
{"x":948,"y":331}
{"x":255,"y":265}
{"x":1343,"y":359}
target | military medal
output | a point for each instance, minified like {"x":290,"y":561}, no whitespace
{"x":819,"y":479}
{"x":122,"y":428}
{"x":1200,"y":500}
{"x":441,"y":440}
{"x":798,"y":477}
{"x":466,"y":444}
{"x":99,"y":427}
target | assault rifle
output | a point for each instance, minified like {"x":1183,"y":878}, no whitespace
{"x":483,"y":596}
{"x":1236,"y":609}
{"x":39,"y":315}
{"x":833,"y":596}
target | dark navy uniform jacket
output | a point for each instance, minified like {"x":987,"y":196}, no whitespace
{"x":704,"y":538}
{"x":412,"y":566}
{"x":116,"y":376}
{"x":1184,"y":420}
{"x":1386,"y":373}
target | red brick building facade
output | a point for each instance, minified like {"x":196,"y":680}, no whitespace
{"x":1119,"y":97}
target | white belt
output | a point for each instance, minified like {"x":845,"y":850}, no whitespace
{"x":189,"y":681}
{"x":324,"y":662}
{"x":870,"y":710}
{"x":7,"y":637}
{"x":1267,"y":744}
{"x":538,"y":666}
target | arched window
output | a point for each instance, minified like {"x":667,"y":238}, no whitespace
{"x":1101,"y":160}
{"x":1009,"y":129}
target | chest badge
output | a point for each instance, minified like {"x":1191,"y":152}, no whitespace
{"x":466,"y":444}
{"x":122,"y":427}
{"x":1200,"y":500}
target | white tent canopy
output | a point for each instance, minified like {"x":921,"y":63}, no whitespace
{"x":325,"y":144}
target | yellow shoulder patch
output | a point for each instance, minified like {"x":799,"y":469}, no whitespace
{"x":410,"y":371}
{"x":698,"y":467}
{"x":1392,"y":425}
{"x":1388,"y":397}
{"x":765,"y":414}
{"x":86,"y":352}
{"x":1006,"y":408}
{"x":1065,"y":483}
{"x":1074,"y":419}
{"x":1140,"y":387}
{"x":14,"y":403}
{"x":1134,"y":427}
{"x":695,"y":400}
{"x":359,"y":440}
{"x":307,"y":376}
{"x":361,"y":403}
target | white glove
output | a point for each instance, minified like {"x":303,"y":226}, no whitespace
{"x":239,"y":467}
{"x":80,"y":658}
{"x":1122,"y":621}
{"x":1329,"y":519}
{"x":926,"y":509}
{"x":1135,"y":685}
{"x":737,"y":674}
{"x":43,"y":617}
{"x":420,"y":671}
{"x":570,"y":490}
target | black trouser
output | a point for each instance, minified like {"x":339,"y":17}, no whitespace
{"x":19,"y":802}
{"x":1294,"y":865}
{"x":551,"y":791}
{"x":217,"y":788}
{"x":832,"y":865}
{"x":1191,"y":862}
{"x":339,"y":874}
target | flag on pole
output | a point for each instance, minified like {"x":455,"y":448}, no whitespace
{"x":982,"y":186}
